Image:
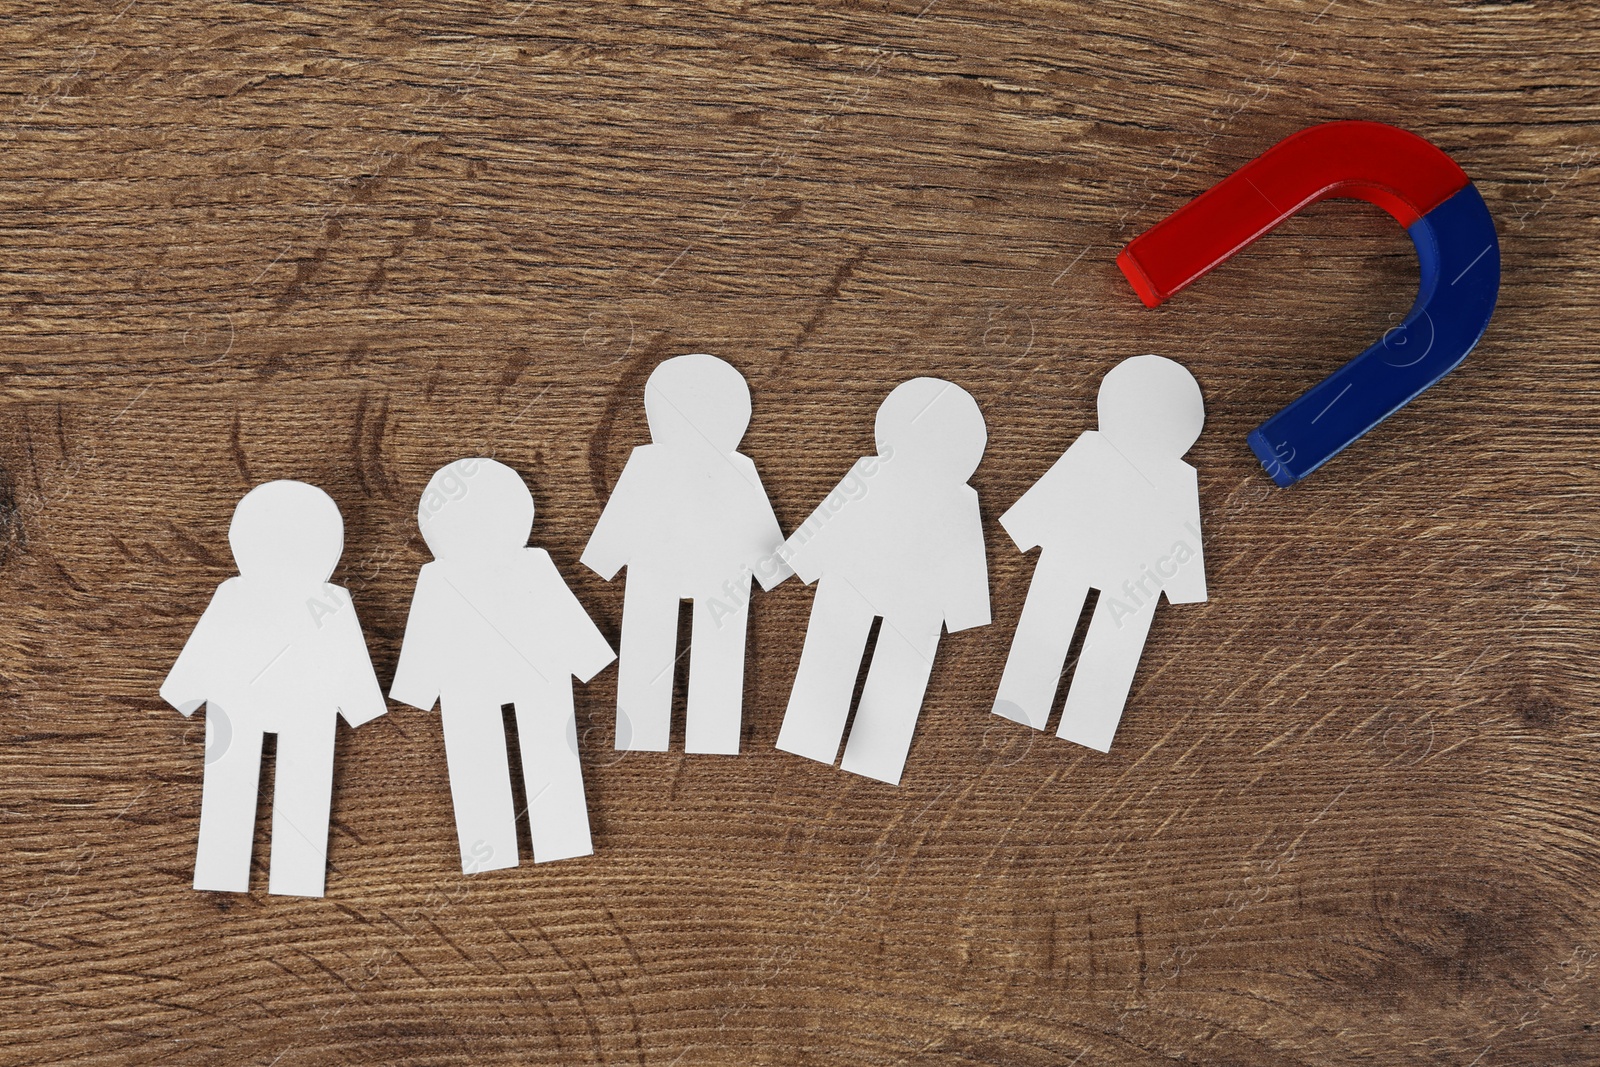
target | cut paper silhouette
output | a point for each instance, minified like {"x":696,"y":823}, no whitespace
{"x":690,"y":520}
{"x":493,"y":623}
{"x":1118,"y":512}
{"x":278,"y":651}
{"x":898,"y":539}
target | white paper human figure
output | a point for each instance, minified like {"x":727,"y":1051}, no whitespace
{"x":278,"y":651}
{"x":899,"y":539}
{"x":493,"y":623}
{"x":690,"y":520}
{"x":1118,"y":512}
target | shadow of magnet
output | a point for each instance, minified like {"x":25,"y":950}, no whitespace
{"x":1410,"y":179}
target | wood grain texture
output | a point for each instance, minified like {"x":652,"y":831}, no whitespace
{"x":1350,"y":817}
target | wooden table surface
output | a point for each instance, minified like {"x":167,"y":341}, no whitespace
{"x":1350,"y":816}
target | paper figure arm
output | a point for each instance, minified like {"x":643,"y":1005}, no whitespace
{"x":771,"y":570}
{"x":801,"y":560}
{"x":1188,"y":586}
{"x":968,"y":602}
{"x":807,"y":549}
{"x":418,"y":677}
{"x":611,"y":543}
{"x":188,"y":684}
{"x":353,"y":683}
{"x":1028,"y":521}
{"x":587,"y":650}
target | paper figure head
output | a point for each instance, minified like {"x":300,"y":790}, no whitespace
{"x":699,"y":400}
{"x":286,"y":531}
{"x":474,"y":507}
{"x":932,"y":424}
{"x":1151,"y":404}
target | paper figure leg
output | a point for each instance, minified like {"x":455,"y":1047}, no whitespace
{"x":819,"y":703}
{"x":890,"y":702}
{"x":228,"y":806}
{"x":1039,"y":649}
{"x":547,"y":733}
{"x":480,"y":781}
{"x":644,"y":672}
{"x":302,"y":796}
{"x":716,"y":673}
{"x":1105,"y":673}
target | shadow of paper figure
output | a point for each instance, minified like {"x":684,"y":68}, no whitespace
{"x":1118,"y":512}
{"x":899,"y":539}
{"x":279,"y":651}
{"x":690,"y":519}
{"x":493,"y":623}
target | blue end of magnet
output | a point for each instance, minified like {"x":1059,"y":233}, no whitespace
{"x":1273,"y":463}
{"x":1459,"y":257}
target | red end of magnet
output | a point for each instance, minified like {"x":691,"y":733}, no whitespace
{"x":1383,"y":165}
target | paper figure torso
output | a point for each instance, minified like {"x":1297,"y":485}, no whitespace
{"x":1106,"y":517}
{"x":689,"y":517}
{"x":514,"y":613}
{"x":905,"y":545}
{"x":277,"y":656}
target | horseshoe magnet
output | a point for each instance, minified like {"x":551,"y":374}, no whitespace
{"x":1412,"y":180}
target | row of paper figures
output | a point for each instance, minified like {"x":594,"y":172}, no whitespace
{"x":492,"y":623}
